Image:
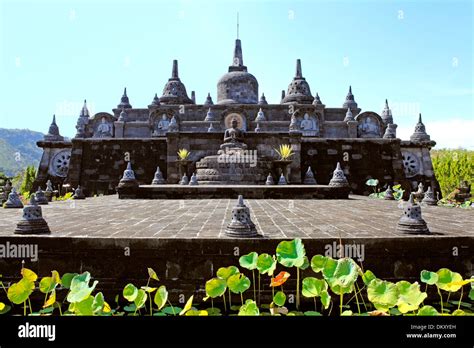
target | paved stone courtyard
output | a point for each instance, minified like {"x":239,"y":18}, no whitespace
{"x":109,"y":217}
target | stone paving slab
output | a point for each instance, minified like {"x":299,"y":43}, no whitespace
{"x":358,"y":217}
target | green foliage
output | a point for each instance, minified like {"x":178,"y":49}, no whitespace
{"x":451,"y":167}
{"x":340,"y":278}
{"x":27,"y":180}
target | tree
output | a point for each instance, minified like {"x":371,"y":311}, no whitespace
{"x":29,"y":176}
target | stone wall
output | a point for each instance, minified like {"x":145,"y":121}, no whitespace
{"x":98,"y":164}
{"x":361,"y":159}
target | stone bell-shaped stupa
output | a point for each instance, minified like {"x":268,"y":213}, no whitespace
{"x":282,"y":180}
{"x":270,"y":180}
{"x":32,"y":221}
{"x":389,"y":194}
{"x":411,"y":221}
{"x":128,"y":178}
{"x":78,"y":193}
{"x":158,"y":177}
{"x":338,"y":178}
{"x":194,"y":180}
{"x":13,"y":200}
{"x":41,"y":197}
{"x":184,"y":180}
{"x":429,"y":197}
{"x":241,"y":225}
{"x":309,"y":177}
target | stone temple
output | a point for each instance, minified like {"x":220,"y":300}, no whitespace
{"x":240,"y":121}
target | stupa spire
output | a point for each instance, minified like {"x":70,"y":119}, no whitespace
{"x":174,"y":73}
{"x":299,"y":73}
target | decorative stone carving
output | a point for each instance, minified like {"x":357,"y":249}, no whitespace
{"x":429,"y":197}
{"x":210,"y":116}
{"x":78,"y":193}
{"x":59,"y":164}
{"x":208,"y":100}
{"x":270,"y":180}
{"x":234,"y":137}
{"x":164,"y":124}
{"x":389,"y":194}
{"x":123,"y":116}
{"x":317,"y":100}
{"x":49,"y":191}
{"x":124,"y":102}
{"x":309,"y":126}
{"x":53,"y":132}
{"x":13,"y":200}
{"x":194,"y":180}
{"x":349,"y":102}
{"x":128,"y":179}
{"x":338,"y":178}
{"x":41,"y":197}
{"x":32,"y":221}
{"x":155,"y":102}
{"x":309,"y":177}
{"x":173,"y":126}
{"x":282,"y":180}
{"x":411,"y":221}
{"x":420,"y":134}
{"x":390,"y":131}
{"x":411,"y":164}
{"x":237,"y":86}
{"x":260,"y":116}
{"x":241,"y":225}
{"x":369,"y":126}
{"x":258,"y":129}
{"x":420,"y":193}
{"x":158,"y":177}
{"x":211,"y":128}
{"x":174,"y":91}
{"x":263,"y":100}
{"x":349,"y":116}
{"x":184,"y":180}
{"x":293,"y":128}
{"x":104,"y":129}
{"x":387,"y":114}
{"x":298,"y":89}
{"x":82,"y":121}
{"x":241,"y":122}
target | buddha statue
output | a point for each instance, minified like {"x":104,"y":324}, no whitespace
{"x":234,"y":137}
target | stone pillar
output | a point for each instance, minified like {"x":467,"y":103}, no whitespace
{"x":119,"y":129}
{"x":172,"y":170}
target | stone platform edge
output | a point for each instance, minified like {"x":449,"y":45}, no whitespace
{"x":233,"y":191}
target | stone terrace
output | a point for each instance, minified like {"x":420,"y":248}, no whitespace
{"x":359,"y":217}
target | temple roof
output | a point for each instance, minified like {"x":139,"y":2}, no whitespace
{"x":174,"y":91}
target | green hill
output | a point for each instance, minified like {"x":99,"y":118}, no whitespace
{"x":18,"y":149}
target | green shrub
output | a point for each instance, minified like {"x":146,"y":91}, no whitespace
{"x":451,"y":167}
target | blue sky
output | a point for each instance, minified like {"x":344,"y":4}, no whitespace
{"x":419,"y":55}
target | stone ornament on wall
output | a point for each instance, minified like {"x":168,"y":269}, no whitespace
{"x":241,"y":123}
{"x":411,"y":164}
{"x":103,"y":125}
{"x":59,"y":164}
{"x":369,"y":125}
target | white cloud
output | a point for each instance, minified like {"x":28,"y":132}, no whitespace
{"x":452,"y":133}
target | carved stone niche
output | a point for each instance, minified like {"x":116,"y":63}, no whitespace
{"x":160,"y":121}
{"x":102,"y":125}
{"x":310,"y":125}
{"x":370,"y":125}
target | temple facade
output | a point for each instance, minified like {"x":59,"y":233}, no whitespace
{"x":365,"y":143}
